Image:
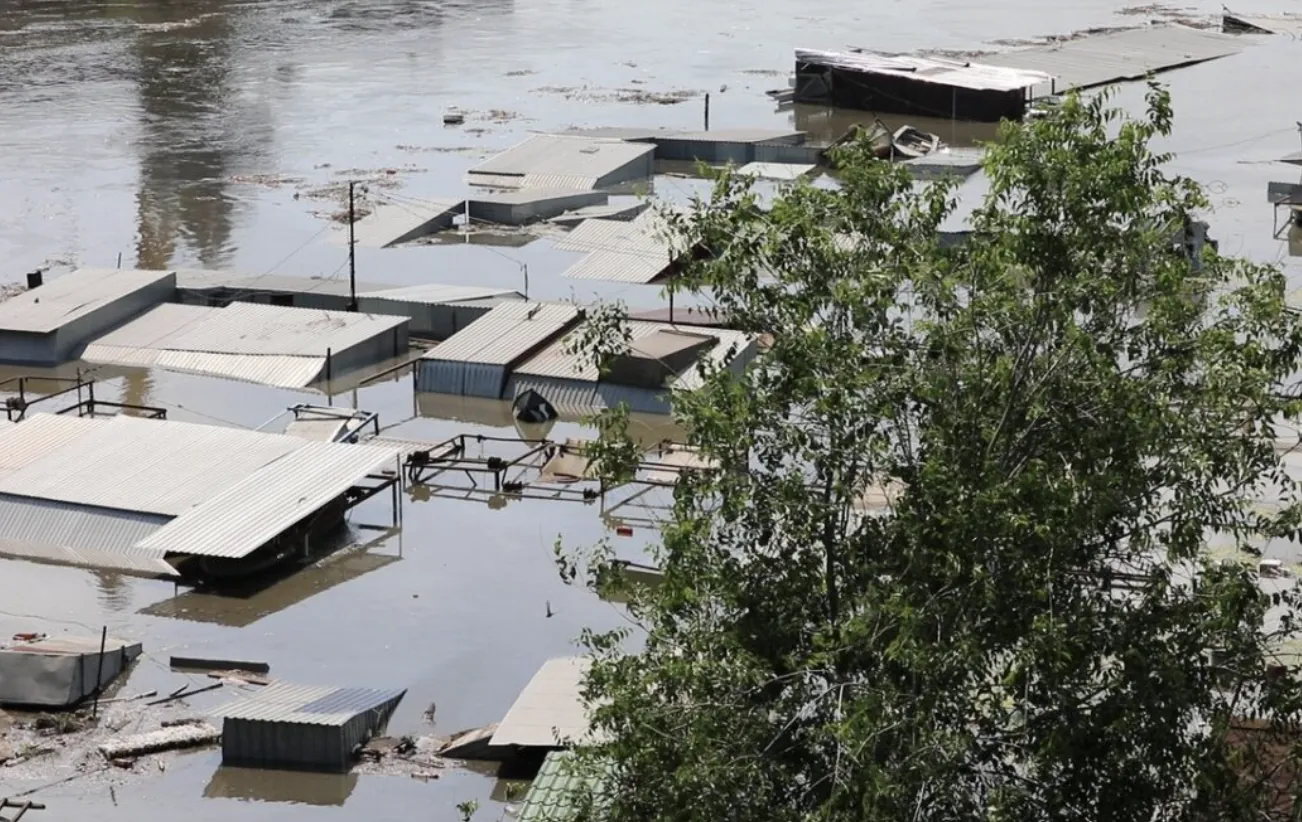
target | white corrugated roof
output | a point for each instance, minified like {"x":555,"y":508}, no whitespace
{"x":64,"y":534}
{"x":638,"y":267}
{"x":436,"y":293}
{"x":548,"y":157}
{"x":245,"y":516}
{"x":630,"y":251}
{"x":72,"y":296}
{"x":935,"y":70}
{"x":140,"y":341}
{"x":550,"y":709}
{"x":153,"y":466}
{"x":266,"y":369}
{"x":26,"y":442}
{"x":506,"y":333}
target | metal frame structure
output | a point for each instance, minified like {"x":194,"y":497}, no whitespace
{"x":86,"y":406}
{"x":452,"y":470}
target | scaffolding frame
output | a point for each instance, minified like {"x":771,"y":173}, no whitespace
{"x":22,"y":397}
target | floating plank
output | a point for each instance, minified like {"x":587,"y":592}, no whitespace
{"x":199,"y":664}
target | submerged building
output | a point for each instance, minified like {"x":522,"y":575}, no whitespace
{"x":171,"y":499}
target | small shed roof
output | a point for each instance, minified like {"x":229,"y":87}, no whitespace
{"x":939,"y":71}
{"x":250,"y":513}
{"x":551,"y":705}
{"x":633,"y":251}
{"x":506,"y":333}
{"x":282,"y":702}
{"x":555,"y":361}
{"x":250,"y":328}
{"x":38,"y":435}
{"x":574,"y":158}
{"x":68,"y":298}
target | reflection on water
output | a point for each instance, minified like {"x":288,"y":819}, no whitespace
{"x":280,"y":786}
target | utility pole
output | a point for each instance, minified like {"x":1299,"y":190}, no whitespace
{"x":352,"y":251}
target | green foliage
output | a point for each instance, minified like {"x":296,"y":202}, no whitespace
{"x":1064,"y":402}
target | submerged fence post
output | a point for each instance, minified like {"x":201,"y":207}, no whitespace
{"x":707,"y":111}
{"x":99,"y":672}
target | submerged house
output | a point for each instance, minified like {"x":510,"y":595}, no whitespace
{"x":171,"y":499}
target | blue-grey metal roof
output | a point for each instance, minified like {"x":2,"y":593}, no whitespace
{"x":282,"y":702}
{"x":1100,"y":59}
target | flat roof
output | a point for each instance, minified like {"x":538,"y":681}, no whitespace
{"x":506,"y":333}
{"x":436,"y":293}
{"x":245,"y":516}
{"x":310,"y":704}
{"x":1111,"y":57}
{"x":550,"y":705}
{"x":939,"y":71}
{"x":555,"y":361}
{"x":269,"y":344}
{"x":65,"y":299}
{"x":143,"y":465}
{"x":576,"y":158}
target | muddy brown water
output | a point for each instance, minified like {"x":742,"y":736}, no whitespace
{"x":214,"y":132}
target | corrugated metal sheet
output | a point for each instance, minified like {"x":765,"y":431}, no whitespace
{"x":570,"y":181}
{"x":281,"y":372}
{"x":190,"y":279}
{"x":65,"y":534}
{"x":245,"y":516}
{"x":40,"y":434}
{"x":308,"y":704}
{"x":777,"y":171}
{"x":1123,"y":55}
{"x":507,"y":332}
{"x":395,"y":223}
{"x":638,"y":267}
{"x":249,"y":328}
{"x":936,"y":70}
{"x":581,"y":157}
{"x":155,"y":466}
{"x":436,"y":293}
{"x":574,"y":398}
{"x":555,"y":361}
{"x":154,"y":329}
{"x":549,"y":709}
{"x":66,"y":299}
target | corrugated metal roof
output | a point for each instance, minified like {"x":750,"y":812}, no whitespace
{"x":72,"y":296}
{"x":1123,"y":55}
{"x":66,"y":534}
{"x":155,"y":466}
{"x":939,"y":71}
{"x":639,"y":267}
{"x":282,"y":372}
{"x":567,"y":156}
{"x":437,"y":294}
{"x":496,"y":180}
{"x":395,"y":222}
{"x":310,"y":704}
{"x":245,"y":516}
{"x":506,"y":333}
{"x":139,"y":341}
{"x":250,"y":328}
{"x":557,"y":181}
{"x":238,"y":281}
{"x":777,"y":171}
{"x":549,"y":709}
{"x":40,"y":434}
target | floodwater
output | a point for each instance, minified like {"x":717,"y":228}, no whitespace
{"x":215,"y":133}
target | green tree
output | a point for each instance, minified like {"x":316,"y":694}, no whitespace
{"x":1053,"y":418}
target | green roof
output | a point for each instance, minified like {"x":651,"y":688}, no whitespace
{"x":555,"y":792}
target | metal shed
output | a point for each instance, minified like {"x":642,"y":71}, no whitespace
{"x":436,"y":311}
{"x":298,"y":727}
{"x":59,"y":673}
{"x":274,"y":345}
{"x":49,"y":324}
{"x":527,"y":205}
{"x":476,"y":361}
{"x":723,"y":145}
{"x":557,"y":161}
